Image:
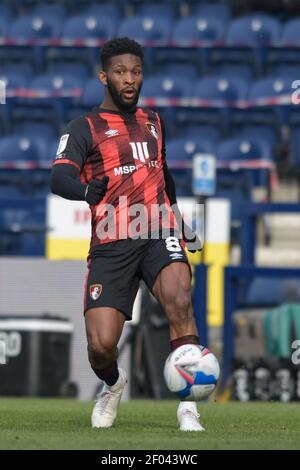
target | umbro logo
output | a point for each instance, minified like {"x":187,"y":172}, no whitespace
{"x":112,"y":132}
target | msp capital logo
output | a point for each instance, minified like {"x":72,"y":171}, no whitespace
{"x":95,"y":291}
{"x":152,"y":129}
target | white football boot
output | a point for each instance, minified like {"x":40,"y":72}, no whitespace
{"x":188,"y":417}
{"x":107,"y":402}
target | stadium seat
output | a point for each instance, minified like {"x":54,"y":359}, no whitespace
{"x":240,"y":71}
{"x":146,"y":28}
{"x":289,"y":53}
{"x":263,"y":133}
{"x":167,"y":87}
{"x":28,"y":28}
{"x":93,"y":94}
{"x":212,"y":10}
{"x":71,"y":67}
{"x":285,"y":70}
{"x":103,"y":9}
{"x":216,"y":88}
{"x":187,"y":30}
{"x":162,"y":10}
{"x":199,"y":29}
{"x":13,"y":82}
{"x":21,"y":148}
{"x":175,"y":69}
{"x":22,"y":226}
{"x":87,"y":27}
{"x":20,"y":69}
{"x":4,"y":27}
{"x":253,"y":31}
{"x":182,"y":150}
{"x":50,"y":108}
{"x":211,"y":133}
{"x":31,"y":129}
{"x":241,"y":148}
{"x":6,"y":12}
{"x":35,"y":27}
{"x":246,"y":39}
{"x":267,"y":88}
{"x":50,"y":10}
{"x":295,"y":149}
{"x":83,"y":28}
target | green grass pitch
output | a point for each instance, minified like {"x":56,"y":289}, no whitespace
{"x":50,"y":424}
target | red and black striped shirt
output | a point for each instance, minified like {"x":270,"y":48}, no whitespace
{"x":130,"y":149}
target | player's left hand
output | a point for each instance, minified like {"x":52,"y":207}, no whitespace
{"x":193,"y":242}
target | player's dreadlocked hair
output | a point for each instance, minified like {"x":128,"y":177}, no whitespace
{"x":119,"y":46}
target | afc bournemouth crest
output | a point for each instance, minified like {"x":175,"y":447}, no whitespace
{"x":95,"y":291}
{"x":152,"y":129}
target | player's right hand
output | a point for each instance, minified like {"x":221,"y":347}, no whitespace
{"x":96,"y":190}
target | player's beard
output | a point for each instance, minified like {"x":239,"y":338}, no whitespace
{"x":118,"y":100}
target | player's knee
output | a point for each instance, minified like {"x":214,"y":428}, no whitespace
{"x":100,"y":355}
{"x":179,"y":307}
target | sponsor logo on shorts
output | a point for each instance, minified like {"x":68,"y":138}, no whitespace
{"x":95,"y":291}
{"x":176,"y":255}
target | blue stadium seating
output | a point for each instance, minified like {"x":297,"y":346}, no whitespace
{"x":22,"y":148}
{"x":253,"y":30}
{"x":22,"y":226}
{"x":212,"y":10}
{"x":52,"y":10}
{"x":35,"y":27}
{"x":50,"y":108}
{"x":175,"y":69}
{"x":242,"y":148}
{"x":93,"y":94}
{"x":265,"y":134}
{"x":240,"y":71}
{"x":30,"y":28}
{"x":211,"y":133}
{"x":31,"y":129}
{"x":71,"y":67}
{"x":84,"y":28}
{"x":290,"y":53}
{"x":295,"y":149}
{"x":99,"y":10}
{"x":191,"y":29}
{"x":146,"y":28}
{"x":5,"y":12}
{"x":13,"y":81}
{"x":167,"y":87}
{"x":216,"y":88}
{"x":4,"y":27}
{"x":163,"y":9}
{"x":182,"y":150}
{"x":199,"y":29}
{"x":246,"y":39}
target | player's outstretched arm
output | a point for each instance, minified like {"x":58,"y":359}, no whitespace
{"x":65,"y":182}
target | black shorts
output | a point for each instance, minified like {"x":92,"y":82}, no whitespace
{"x":115,"y":270}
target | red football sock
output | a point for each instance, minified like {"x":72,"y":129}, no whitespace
{"x":188,"y":339}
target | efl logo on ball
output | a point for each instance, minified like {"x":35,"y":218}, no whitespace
{"x":192,"y":372}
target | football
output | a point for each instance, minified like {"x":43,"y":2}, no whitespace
{"x":192,"y":372}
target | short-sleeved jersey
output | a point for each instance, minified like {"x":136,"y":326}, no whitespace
{"x":127,"y":147}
